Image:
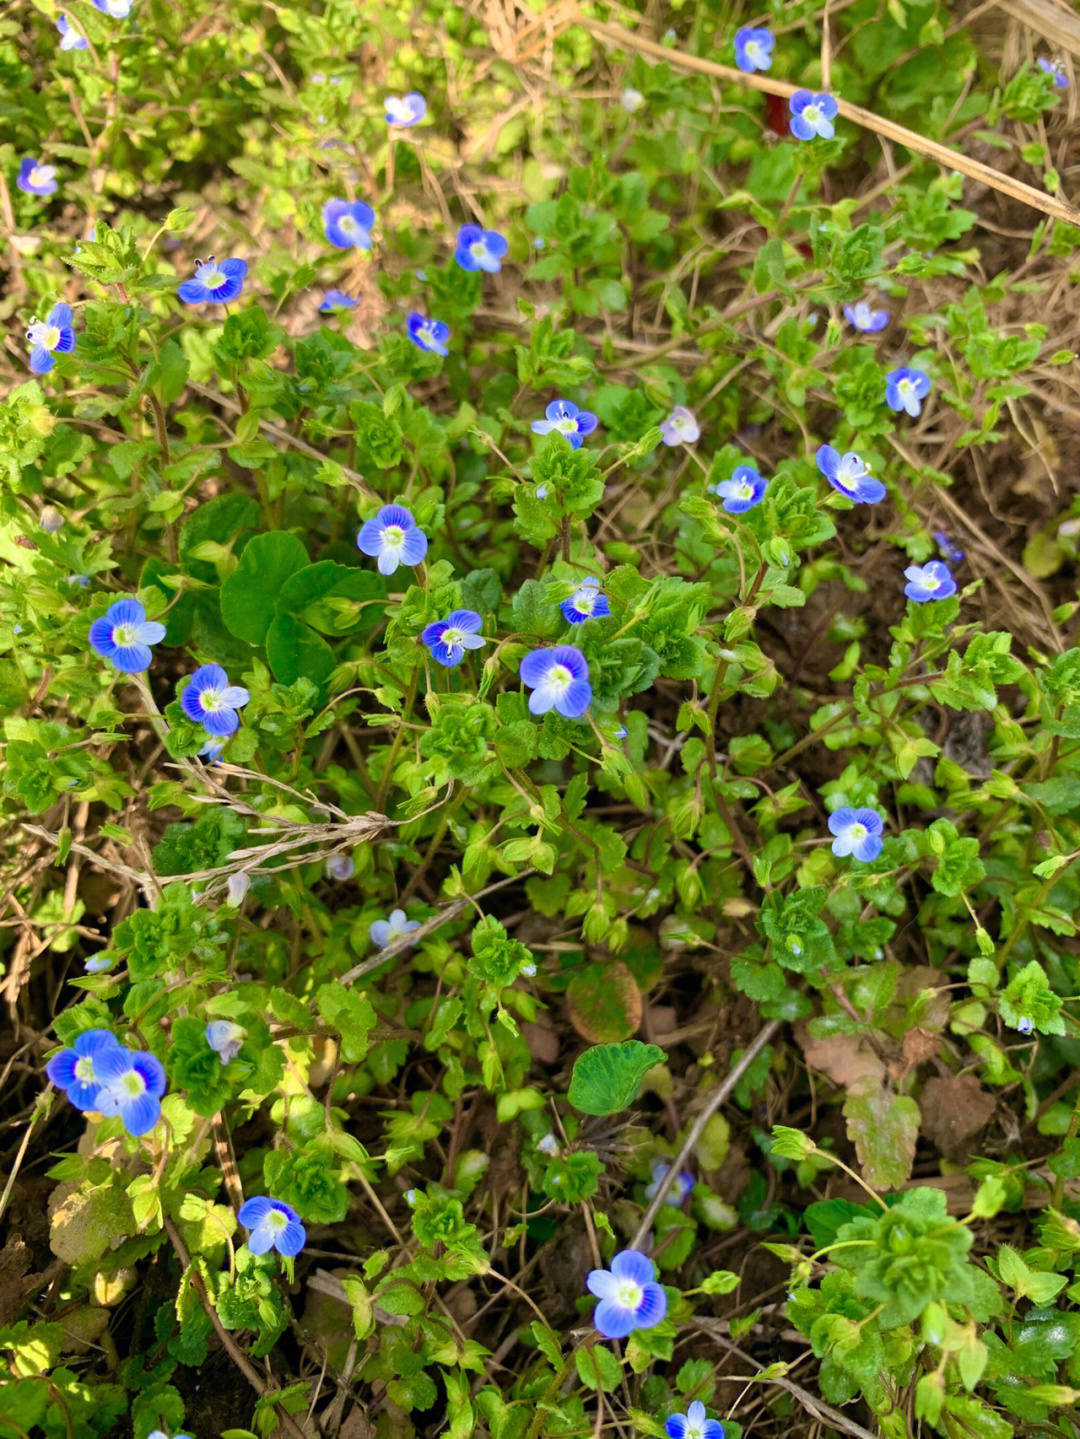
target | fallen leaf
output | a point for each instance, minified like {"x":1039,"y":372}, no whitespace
{"x":884,"y":1128}
{"x":847,"y":1059}
{"x":954,"y":1108}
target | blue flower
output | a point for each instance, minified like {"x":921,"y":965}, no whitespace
{"x":70,"y":39}
{"x":403,"y":110}
{"x":76,"y":1071}
{"x":131,"y":1086}
{"x":679,"y":1189}
{"x":857,"y":832}
{"x":225,"y":1038}
{"x":848,"y":474}
{"x":479,"y":249}
{"x":51,"y":336}
{"x":272,"y":1225}
{"x":680,"y":427}
{"x":160,"y":1434}
{"x":559,"y":679}
{"x":336,"y":300}
{"x":393,"y":538}
{"x":932,"y":581}
{"x":1024,"y":1026}
{"x":564,"y":418}
{"x":742,"y":491}
{"x":428,"y":334}
{"x":123,"y":636}
{"x":864,"y":318}
{"x":341,"y":867}
{"x":1055,"y":69}
{"x":693,"y":1424}
{"x":448,"y":639}
{"x":906,"y":389}
{"x":212,"y":751}
{"x":629,"y":1296}
{"x":237,"y":886}
{"x":753,"y":49}
{"x":348,"y":226}
{"x":210,"y":700}
{"x":588,"y":602}
{"x":384,"y":932}
{"x":214,"y":282}
{"x":36,"y":178}
{"x":99,"y":963}
{"x":948,"y":549}
{"x":117,"y":9}
{"x":812,"y":115}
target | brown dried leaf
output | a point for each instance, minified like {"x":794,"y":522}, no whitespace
{"x":847,"y":1059}
{"x":954,"y":1109}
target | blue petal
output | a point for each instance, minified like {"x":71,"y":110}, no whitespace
{"x":291,"y":1240}
{"x":141,"y":1114}
{"x":221,"y":723}
{"x":612,"y":1320}
{"x":132,"y":659}
{"x":631,"y":1264}
{"x":253,"y":1211}
{"x":41,"y":360}
{"x":194,"y":293}
{"x":652,"y":1308}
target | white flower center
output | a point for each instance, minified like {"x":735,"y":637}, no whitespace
{"x":84,"y":1070}
{"x":559,"y":678}
{"x":210,"y":701}
{"x":906,"y":387}
{"x":215,"y":279}
{"x":744,"y":490}
{"x":629,"y":1294}
{"x":812,"y":114}
{"x":566,"y":427}
{"x":755,"y":51}
{"x":124,"y":635}
{"x":275,"y":1221}
{"x":858,"y":831}
{"x":452,"y":637}
{"x":133,"y":1084}
{"x":929,"y":582}
{"x":45,"y":335}
{"x":41,"y":175}
{"x":393,"y":537}
{"x":585,"y":601}
{"x":348,"y":224}
{"x":478,"y":250}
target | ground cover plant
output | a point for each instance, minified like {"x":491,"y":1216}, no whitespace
{"x":540,"y":695}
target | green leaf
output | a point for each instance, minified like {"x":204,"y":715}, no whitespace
{"x":598,"y":1368}
{"x":249,"y":595}
{"x":607,"y":1077}
{"x":295,"y":650}
{"x":884,"y":1128}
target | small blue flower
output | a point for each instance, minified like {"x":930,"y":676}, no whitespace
{"x":210,"y":700}
{"x":117,"y":9}
{"x":559,"y":680}
{"x":742,"y":491}
{"x":76,"y":1071}
{"x":932,"y":581}
{"x":857,"y":832}
{"x":864,"y":318}
{"x":448,"y":639}
{"x":160,"y":1434}
{"x":348,"y":225}
{"x":36,"y":178}
{"x":385,"y":932}
{"x":123,"y":636}
{"x":812,"y":115}
{"x":70,"y":39}
{"x":99,"y":963}
{"x":620,"y":733}
{"x":479,"y":249}
{"x":340,"y":867}
{"x":237,"y":886}
{"x":55,"y":335}
{"x":392,"y":538}
{"x":693,"y":1424}
{"x":564,"y":418}
{"x":1024,"y":1026}
{"x":404,"y":110}
{"x":680,"y":427}
{"x":629,"y":1296}
{"x":906,"y":389}
{"x":212,"y":751}
{"x":588,"y":602}
{"x":549,"y":1145}
{"x":334,"y":300}
{"x":679,"y":1190}
{"x":753,"y":49}
{"x":428,"y":334}
{"x":225,"y":1038}
{"x":541,"y":492}
{"x":948,"y":549}
{"x":131,"y":1086}
{"x":848,"y":474}
{"x":215,"y":282}
{"x":1055,"y":69}
{"x":272,"y":1225}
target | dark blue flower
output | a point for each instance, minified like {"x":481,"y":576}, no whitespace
{"x":392,"y":538}
{"x":428,"y":334}
{"x":742,"y":491}
{"x":857,"y":832}
{"x":123,"y":636}
{"x":932,"y":581}
{"x":629,"y":1296}
{"x":948,"y":549}
{"x":55,"y":335}
{"x":1055,"y":69}
{"x":215,"y":281}
{"x":131,"y":1086}
{"x":559,"y":679}
{"x":479,"y":249}
{"x":588,"y":602}
{"x":348,"y":225}
{"x":336,"y":300}
{"x":117,"y":9}
{"x":404,"y":110}
{"x":70,"y":39}
{"x":272,"y":1225}
{"x":905,"y":389}
{"x":753,"y":49}
{"x":680,"y":1188}
{"x":210,"y":700}
{"x":564,"y":418}
{"x":693,"y":1424}
{"x":36,"y":178}
{"x":75,"y":1070}
{"x":812,"y":115}
{"x":448,"y":639}
{"x":864,"y":318}
{"x":848,"y":474}
{"x":1024,"y":1025}
{"x":680,"y":427}
{"x":212,"y":751}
